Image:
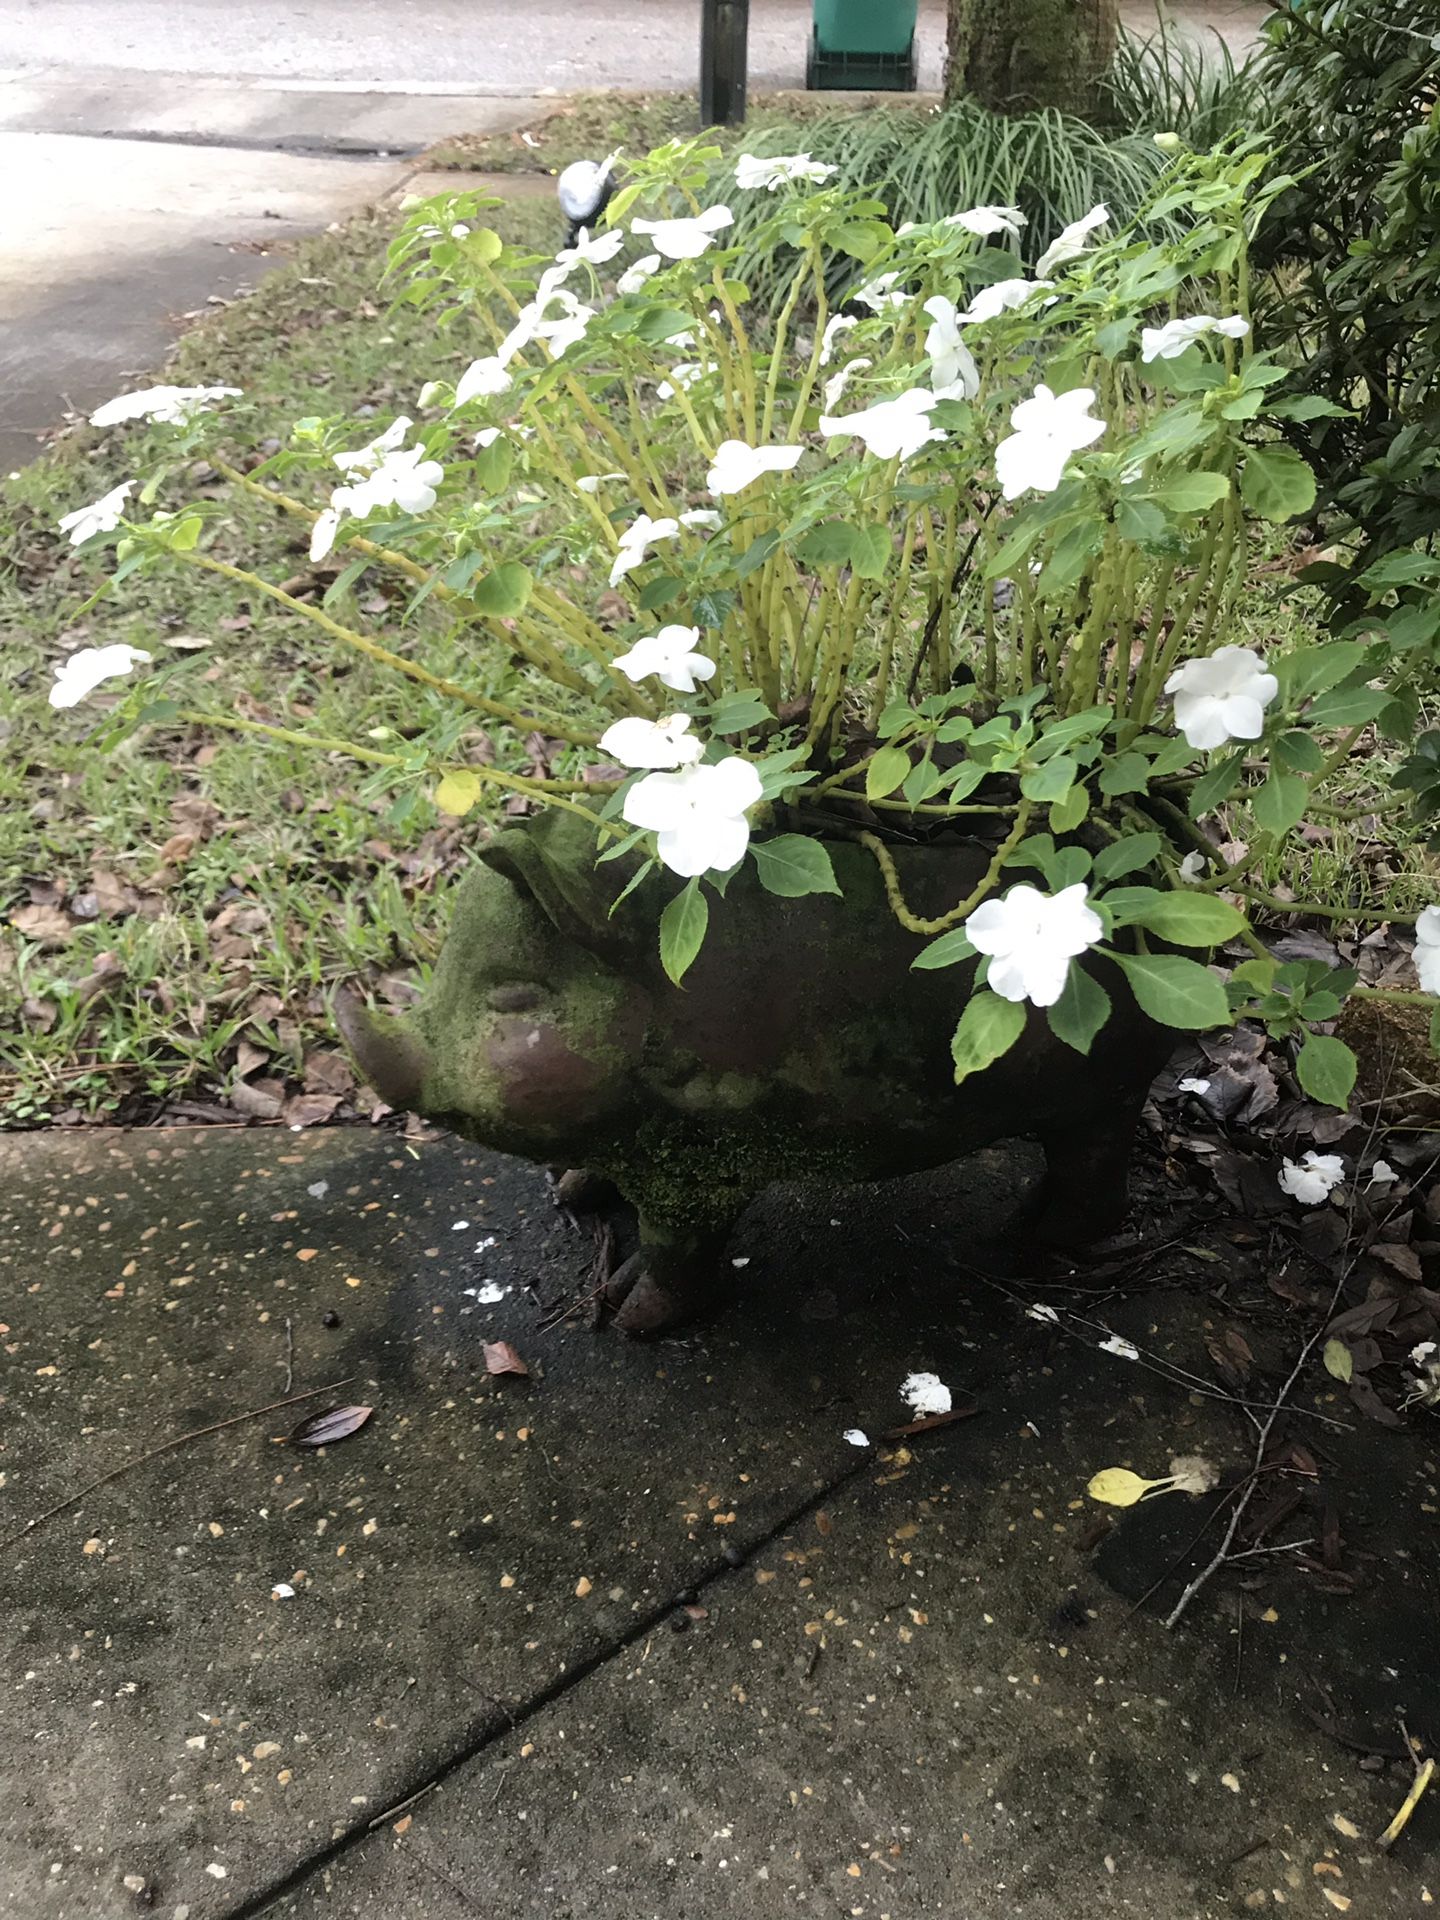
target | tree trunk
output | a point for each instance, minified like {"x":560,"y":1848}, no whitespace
{"x":1014,"y":55}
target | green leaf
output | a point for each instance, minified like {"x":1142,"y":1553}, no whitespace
{"x":947,"y":951}
{"x":831,"y":544}
{"x":1052,"y":781}
{"x":682,"y":930}
{"x":492,"y":465}
{"x":1191,"y":492}
{"x":663,"y":323}
{"x":871,"y":553}
{"x":658,"y":592}
{"x":1175,"y":991}
{"x":1299,"y":752}
{"x":1131,"y":855}
{"x":503,"y":593}
{"x":1189,"y":919}
{"x":1126,"y":773}
{"x":1347,"y":706}
{"x":1325,"y":1068}
{"x":1067,"y":813}
{"x":885,"y":772}
{"x":1276,"y":483}
{"x":988,"y":1027}
{"x":1080,"y":1012}
{"x":1339,"y":1361}
{"x":1281,"y":802}
{"x":1217,"y":783}
{"x":793,"y":864}
{"x":1140,"y":521}
{"x":483,"y":244}
{"x":734,"y":712}
{"x":1435,"y":1031}
{"x":756,"y":554}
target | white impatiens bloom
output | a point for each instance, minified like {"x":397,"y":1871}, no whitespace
{"x":738,"y":465}
{"x":701,"y":517}
{"x":592,"y":482}
{"x":1048,"y":429}
{"x":101,"y":516}
{"x":404,"y":479}
{"x":837,"y":324}
{"x":652,"y":743}
{"x":171,"y":405}
{"x":1192,"y":869}
{"x":1222,"y":697}
{"x":1312,"y":1179}
{"x":697,"y":815}
{"x":1122,"y":1349}
{"x":482,"y":379}
{"x":881,"y":293}
{"x":856,"y":1437}
{"x":1197,"y":1087}
{"x":671,"y":655}
{"x":1046,"y":1315}
{"x":1171,"y":340}
{"x":953,"y":371}
{"x":924,"y":1394}
{"x":367,"y":458}
{"x":999,"y":297}
{"x":590,"y":252}
{"x":685,"y":239}
{"x":683,"y":377}
{"x":888,"y":427}
{"x":1071,"y":242}
{"x":633,"y":279}
{"x":326,"y":529}
{"x":1382,"y":1174}
{"x":1427,"y":949}
{"x":837,"y":383}
{"x":642,"y":534}
{"x":778,"y":169}
{"x":1031,"y":938}
{"x":85,"y":670}
{"x":986,"y":220}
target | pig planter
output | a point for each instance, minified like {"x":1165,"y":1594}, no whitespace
{"x":801,"y":1047}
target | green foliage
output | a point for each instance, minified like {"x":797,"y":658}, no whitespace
{"x":1169,"y":81}
{"x":682,"y":930}
{"x":986,"y":1031}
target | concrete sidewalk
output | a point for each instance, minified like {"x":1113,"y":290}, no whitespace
{"x":433,"y":1671}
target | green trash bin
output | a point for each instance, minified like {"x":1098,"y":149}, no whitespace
{"x":863,"y":43}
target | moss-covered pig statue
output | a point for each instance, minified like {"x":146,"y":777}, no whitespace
{"x":801,"y":1046}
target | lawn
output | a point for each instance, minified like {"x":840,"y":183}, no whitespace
{"x":178,"y":912}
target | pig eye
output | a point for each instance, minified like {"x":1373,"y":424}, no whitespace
{"x":515,"y":996}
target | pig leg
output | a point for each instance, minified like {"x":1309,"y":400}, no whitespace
{"x":1084,"y":1193}
{"x":672,"y":1277}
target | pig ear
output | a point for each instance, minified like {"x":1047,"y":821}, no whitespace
{"x":552,"y":859}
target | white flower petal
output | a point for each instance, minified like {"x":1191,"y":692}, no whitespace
{"x":101,"y":516}
{"x":685,"y":239}
{"x":738,"y":465}
{"x":636,"y":742}
{"x":87,"y":669}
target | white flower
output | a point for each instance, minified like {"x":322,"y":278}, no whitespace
{"x":487,"y":436}
{"x":85,"y":670}
{"x":324,"y":531}
{"x":1123,"y":1349}
{"x":697,"y":815}
{"x":1192,"y":868}
{"x":367,"y":458}
{"x":652,"y":743}
{"x":671,"y":656}
{"x":738,"y":465}
{"x":1171,"y":340}
{"x":701,"y":517}
{"x":999,"y":298}
{"x":643,"y":532}
{"x":776,"y":170}
{"x":1047,"y":1315}
{"x":101,"y":516}
{"x":683,"y":377}
{"x":952,"y":367}
{"x":1427,"y":949}
{"x":986,"y":220}
{"x":282,"y":1590}
{"x":685,"y":239}
{"x":1196,"y":1087}
{"x":837,"y":324}
{"x":172,"y":405}
{"x":1222,"y":697}
{"x":1031,"y":938}
{"x":856,"y":1436}
{"x":1310,"y":1180}
{"x":1048,"y":429}
{"x":837,"y":383}
{"x":481,"y":379}
{"x":925,"y":1393}
{"x":1070,"y":244}
{"x":880,"y":293}
{"x":1382,"y":1174}
{"x":592,"y":482}
{"x":591,"y":253}
{"x":889,"y":427}
{"x":404,"y":479}
{"x":1422,"y":1354}
{"x":633,"y":279}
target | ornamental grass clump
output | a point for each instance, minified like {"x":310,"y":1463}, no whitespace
{"x":964,"y":555}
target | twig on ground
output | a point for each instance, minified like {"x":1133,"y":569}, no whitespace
{"x":168,"y":1446}
{"x":289,"y":1354}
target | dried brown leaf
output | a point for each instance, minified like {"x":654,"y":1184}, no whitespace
{"x":47,"y":926}
{"x":501,"y":1357}
{"x":332,"y":1424}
